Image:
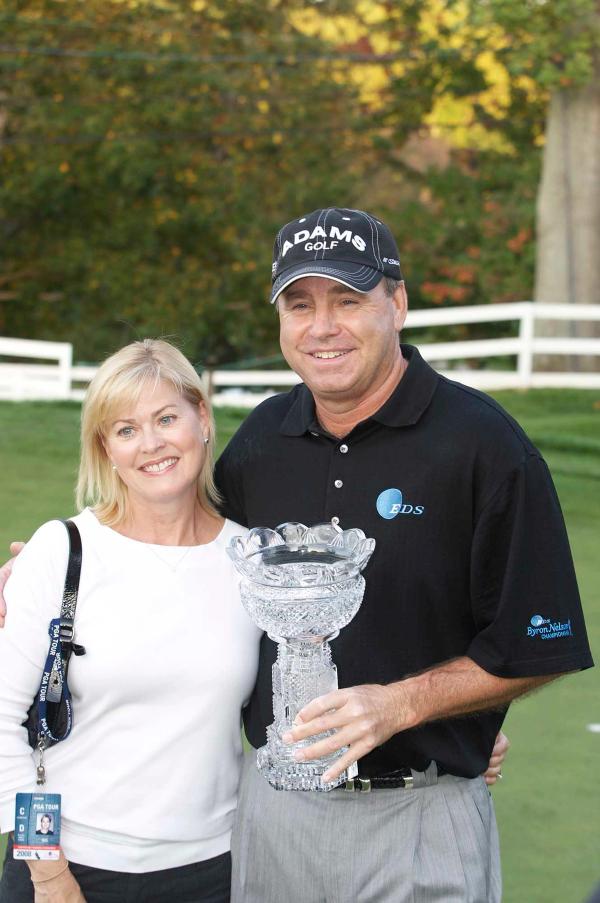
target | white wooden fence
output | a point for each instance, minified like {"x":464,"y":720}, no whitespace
{"x":246,"y":388}
{"x":49,"y":380}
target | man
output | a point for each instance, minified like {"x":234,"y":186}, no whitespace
{"x":470,"y":601}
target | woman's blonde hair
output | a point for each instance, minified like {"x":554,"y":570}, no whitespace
{"x":118,"y":384}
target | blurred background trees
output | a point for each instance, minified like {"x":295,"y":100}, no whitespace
{"x":149,"y":150}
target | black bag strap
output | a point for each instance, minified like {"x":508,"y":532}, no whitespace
{"x":70,"y":594}
{"x":50,"y":716}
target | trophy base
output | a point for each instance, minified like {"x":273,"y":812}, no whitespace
{"x":276,"y":763}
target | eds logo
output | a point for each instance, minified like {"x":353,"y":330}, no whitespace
{"x":390,"y":504}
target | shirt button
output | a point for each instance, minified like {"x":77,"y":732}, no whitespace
{"x":338,"y":484}
{"x":316,"y":435}
{"x":344,"y":448}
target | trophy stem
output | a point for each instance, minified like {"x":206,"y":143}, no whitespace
{"x":303,"y":670}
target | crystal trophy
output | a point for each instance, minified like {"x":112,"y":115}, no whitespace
{"x":301,"y":585}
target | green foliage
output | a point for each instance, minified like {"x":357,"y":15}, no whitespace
{"x":150,"y":150}
{"x":461,"y":205}
{"x":468,"y":230}
{"x":554,"y":41}
{"x":467,"y":227}
{"x":149,"y":155}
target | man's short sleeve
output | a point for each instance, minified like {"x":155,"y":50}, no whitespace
{"x":524,"y":592}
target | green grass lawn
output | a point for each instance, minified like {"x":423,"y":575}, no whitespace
{"x":548,"y":804}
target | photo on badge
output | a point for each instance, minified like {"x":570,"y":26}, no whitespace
{"x":37,"y":826}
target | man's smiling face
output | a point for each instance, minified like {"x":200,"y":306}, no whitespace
{"x":341,"y":342}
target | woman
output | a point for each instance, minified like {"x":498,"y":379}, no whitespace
{"x":149,"y":774}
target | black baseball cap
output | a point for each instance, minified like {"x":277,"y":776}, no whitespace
{"x":349,"y":246}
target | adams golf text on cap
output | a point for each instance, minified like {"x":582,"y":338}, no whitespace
{"x":349,"y":246}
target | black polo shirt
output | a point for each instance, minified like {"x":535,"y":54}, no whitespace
{"x":472,"y":556}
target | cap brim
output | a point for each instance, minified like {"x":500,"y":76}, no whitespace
{"x":361,"y":279}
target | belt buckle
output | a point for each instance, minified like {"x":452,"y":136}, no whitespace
{"x":66,"y":630}
{"x":363,"y":785}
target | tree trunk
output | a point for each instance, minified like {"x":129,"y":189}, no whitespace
{"x":568,"y":216}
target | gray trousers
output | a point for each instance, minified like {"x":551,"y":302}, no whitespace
{"x":435,"y":842}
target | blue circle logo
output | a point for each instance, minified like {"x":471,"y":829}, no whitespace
{"x":389,"y":503}
{"x":537,"y":621}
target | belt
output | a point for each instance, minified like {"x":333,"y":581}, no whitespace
{"x":402,"y":777}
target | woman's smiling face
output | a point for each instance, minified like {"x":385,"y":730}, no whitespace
{"x":157,"y":445}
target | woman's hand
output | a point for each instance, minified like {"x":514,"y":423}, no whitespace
{"x":494,"y":771}
{"x":53,"y":882}
{"x":15,"y":548}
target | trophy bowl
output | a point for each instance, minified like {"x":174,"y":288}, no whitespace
{"x":301,"y":585}
{"x":301,"y":614}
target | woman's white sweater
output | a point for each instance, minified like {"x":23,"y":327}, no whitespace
{"x":149,"y":773}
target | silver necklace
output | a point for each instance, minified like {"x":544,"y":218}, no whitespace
{"x":170,"y":564}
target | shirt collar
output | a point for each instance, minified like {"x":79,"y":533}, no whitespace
{"x":405,"y":406}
